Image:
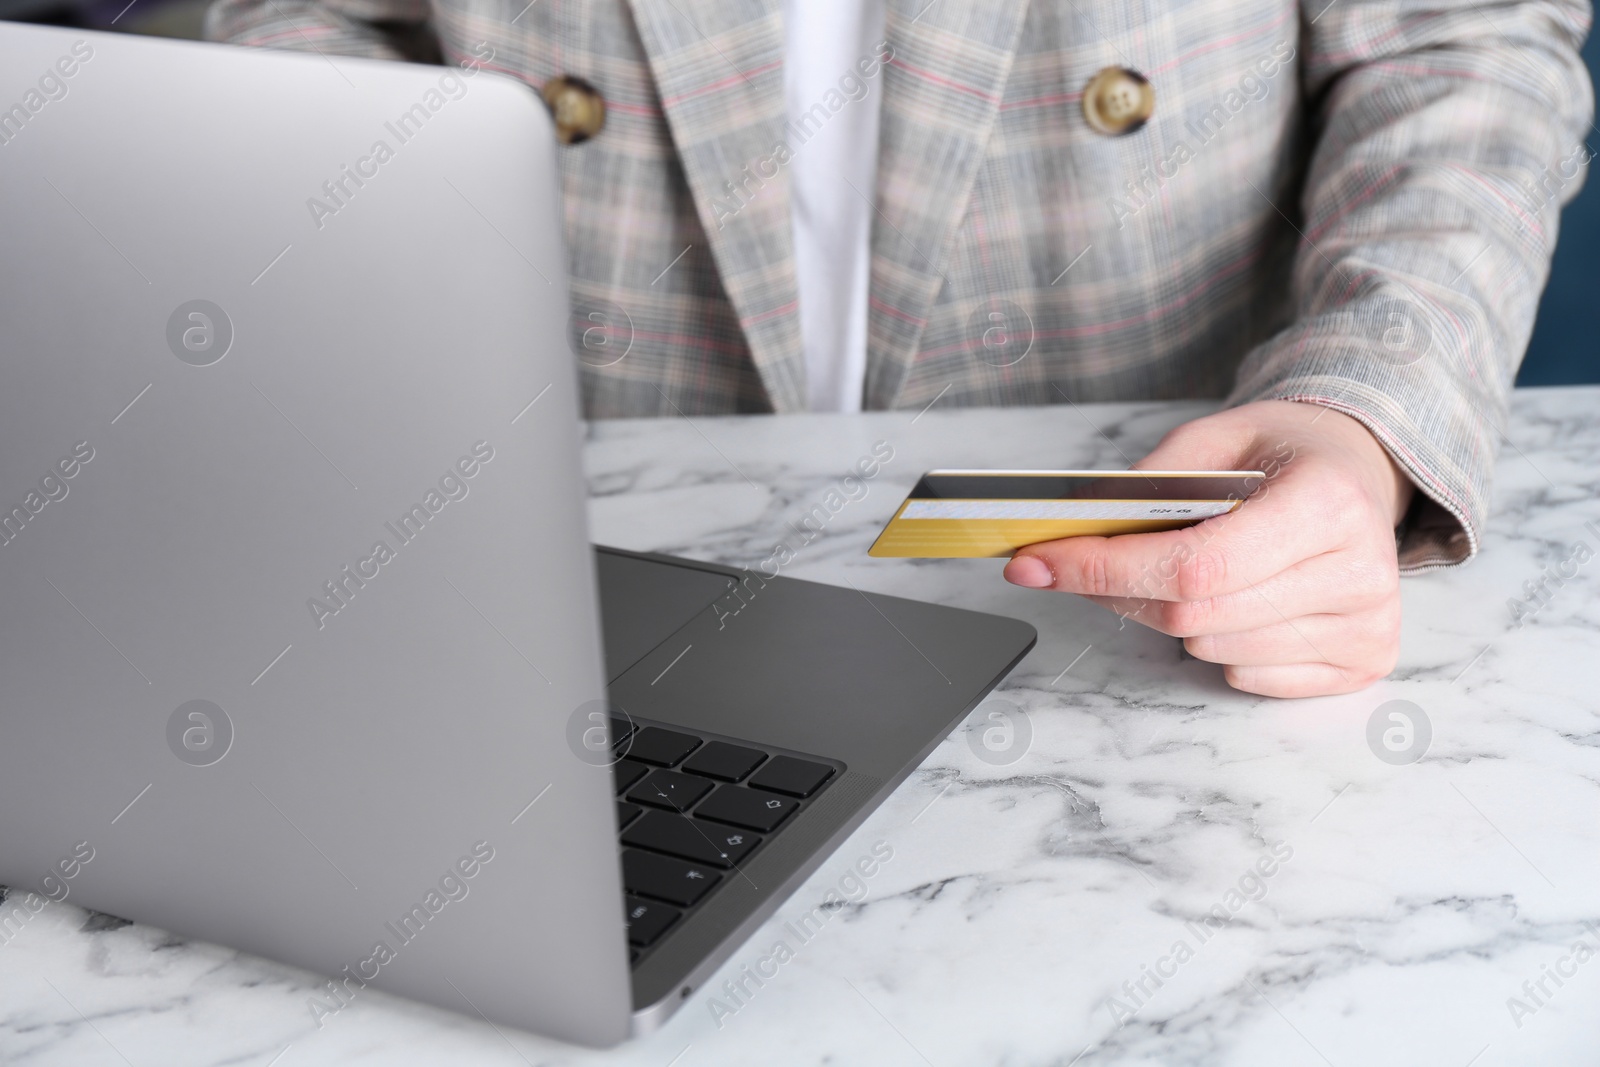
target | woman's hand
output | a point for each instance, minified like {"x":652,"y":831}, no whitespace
{"x":1297,"y":591}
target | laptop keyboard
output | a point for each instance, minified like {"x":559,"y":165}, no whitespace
{"x":690,"y":812}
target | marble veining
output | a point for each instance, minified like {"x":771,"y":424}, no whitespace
{"x":1099,"y":894}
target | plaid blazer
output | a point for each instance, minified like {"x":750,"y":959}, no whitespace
{"x":1345,"y":202}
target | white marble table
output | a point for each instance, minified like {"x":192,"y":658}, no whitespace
{"x":1415,"y":900}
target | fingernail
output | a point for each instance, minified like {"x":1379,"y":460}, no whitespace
{"x":1029,"y":571}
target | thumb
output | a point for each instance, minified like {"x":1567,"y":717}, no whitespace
{"x":1216,"y":442}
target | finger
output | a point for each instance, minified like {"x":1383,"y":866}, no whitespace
{"x":1298,"y":680}
{"x":1265,"y":535}
{"x":1366,"y":641}
{"x":1339,"y":583}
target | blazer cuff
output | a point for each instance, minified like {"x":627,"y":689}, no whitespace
{"x":1443,"y":525}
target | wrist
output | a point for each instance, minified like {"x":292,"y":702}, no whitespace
{"x":1393,"y":485}
{"x":1398,"y":488}
{"x":1389,"y":480}
{"x":1405,"y":488}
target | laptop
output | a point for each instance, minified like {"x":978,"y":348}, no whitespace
{"x":305,"y":649}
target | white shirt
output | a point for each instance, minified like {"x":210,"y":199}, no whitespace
{"x":832,"y":173}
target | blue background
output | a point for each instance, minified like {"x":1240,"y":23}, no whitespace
{"x":1566,"y":339}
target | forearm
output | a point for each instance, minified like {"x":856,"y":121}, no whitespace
{"x":1447,"y":137}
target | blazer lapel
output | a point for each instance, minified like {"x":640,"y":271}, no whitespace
{"x":718,"y":65}
{"x":941,"y":93}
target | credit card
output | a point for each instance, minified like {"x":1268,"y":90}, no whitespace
{"x":969,"y":513}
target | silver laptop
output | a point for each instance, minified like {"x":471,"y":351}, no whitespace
{"x":305,"y":650}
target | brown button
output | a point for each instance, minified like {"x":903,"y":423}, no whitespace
{"x":578,"y":108}
{"x":1118,"y":100}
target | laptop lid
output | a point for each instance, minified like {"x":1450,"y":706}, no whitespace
{"x":299,"y":601}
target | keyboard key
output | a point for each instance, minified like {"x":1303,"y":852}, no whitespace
{"x":626,"y":813}
{"x":663,"y":877}
{"x":745,"y":807}
{"x":627,"y":772}
{"x":621,"y":730}
{"x":700,"y":842}
{"x":646,"y":920}
{"x":797,"y":777}
{"x":661,"y":747}
{"x":669,"y":789}
{"x":722,"y":760}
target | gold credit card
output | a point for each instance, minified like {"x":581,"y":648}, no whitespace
{"x":968,"y":514}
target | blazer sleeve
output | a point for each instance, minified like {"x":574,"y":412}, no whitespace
{"x":376,"y":29}
{"x":1446,"y":135}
